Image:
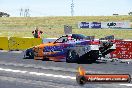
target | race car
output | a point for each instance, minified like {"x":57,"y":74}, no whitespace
{"x":74,"y":49}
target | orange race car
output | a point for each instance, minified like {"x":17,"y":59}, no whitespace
{"x":74,"y":48}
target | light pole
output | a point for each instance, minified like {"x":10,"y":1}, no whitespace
{"x":72,"y":8}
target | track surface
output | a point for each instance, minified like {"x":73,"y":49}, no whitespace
{"x":16,"y":72}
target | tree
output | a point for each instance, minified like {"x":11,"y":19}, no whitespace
{"x":115,"y":14}
{"x":130,"y":13}
{"x":2,"y":14}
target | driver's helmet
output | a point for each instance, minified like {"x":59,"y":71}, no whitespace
{"x":69,"y":36}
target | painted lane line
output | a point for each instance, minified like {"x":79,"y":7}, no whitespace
{"x":51,"y":75}
{"x":38,"y":74}
{"x":15,"y":71}
{"x":125,"y":84}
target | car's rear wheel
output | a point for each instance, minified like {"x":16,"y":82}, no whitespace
{"x":72,"y":56}
{"x":94,"y":55}
{"x":90,"y":57}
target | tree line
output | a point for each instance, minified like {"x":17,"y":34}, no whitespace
{"x":3,"y":14}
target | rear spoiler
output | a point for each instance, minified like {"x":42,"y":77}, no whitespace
{"x":110,"y":37}
{"x":90,"y":37}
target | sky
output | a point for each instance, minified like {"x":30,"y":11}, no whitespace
{"x":63,"y":7}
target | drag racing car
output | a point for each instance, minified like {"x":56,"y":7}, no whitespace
{"x":73,"y":48}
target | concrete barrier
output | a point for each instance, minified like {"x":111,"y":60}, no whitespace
{"x":16,"y":43}
{"x":4,"y":43}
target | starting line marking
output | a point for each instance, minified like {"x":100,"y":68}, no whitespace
{"x":38,"y":74}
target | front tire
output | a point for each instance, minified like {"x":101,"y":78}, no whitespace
{"x":29,"y":53}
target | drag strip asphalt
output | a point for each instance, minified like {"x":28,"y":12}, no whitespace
{"x":16,"y":72}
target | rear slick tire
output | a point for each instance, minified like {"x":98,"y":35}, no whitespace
{"x":72,"y":57}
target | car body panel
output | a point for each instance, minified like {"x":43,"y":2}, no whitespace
{"x":58,"y":50}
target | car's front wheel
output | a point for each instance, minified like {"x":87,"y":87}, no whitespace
{"x":29,"y":54}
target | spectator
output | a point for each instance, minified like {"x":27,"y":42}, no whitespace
{"x":36,"y":33}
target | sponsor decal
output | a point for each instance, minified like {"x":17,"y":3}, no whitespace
{"x":84,"y":25}
{"x":95,"y":25}
{"x":54,"y":48}
{"x":111,"y":24}
{"x":119,"y":24}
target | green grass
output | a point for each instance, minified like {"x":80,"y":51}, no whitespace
{"x":53,"y":26}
